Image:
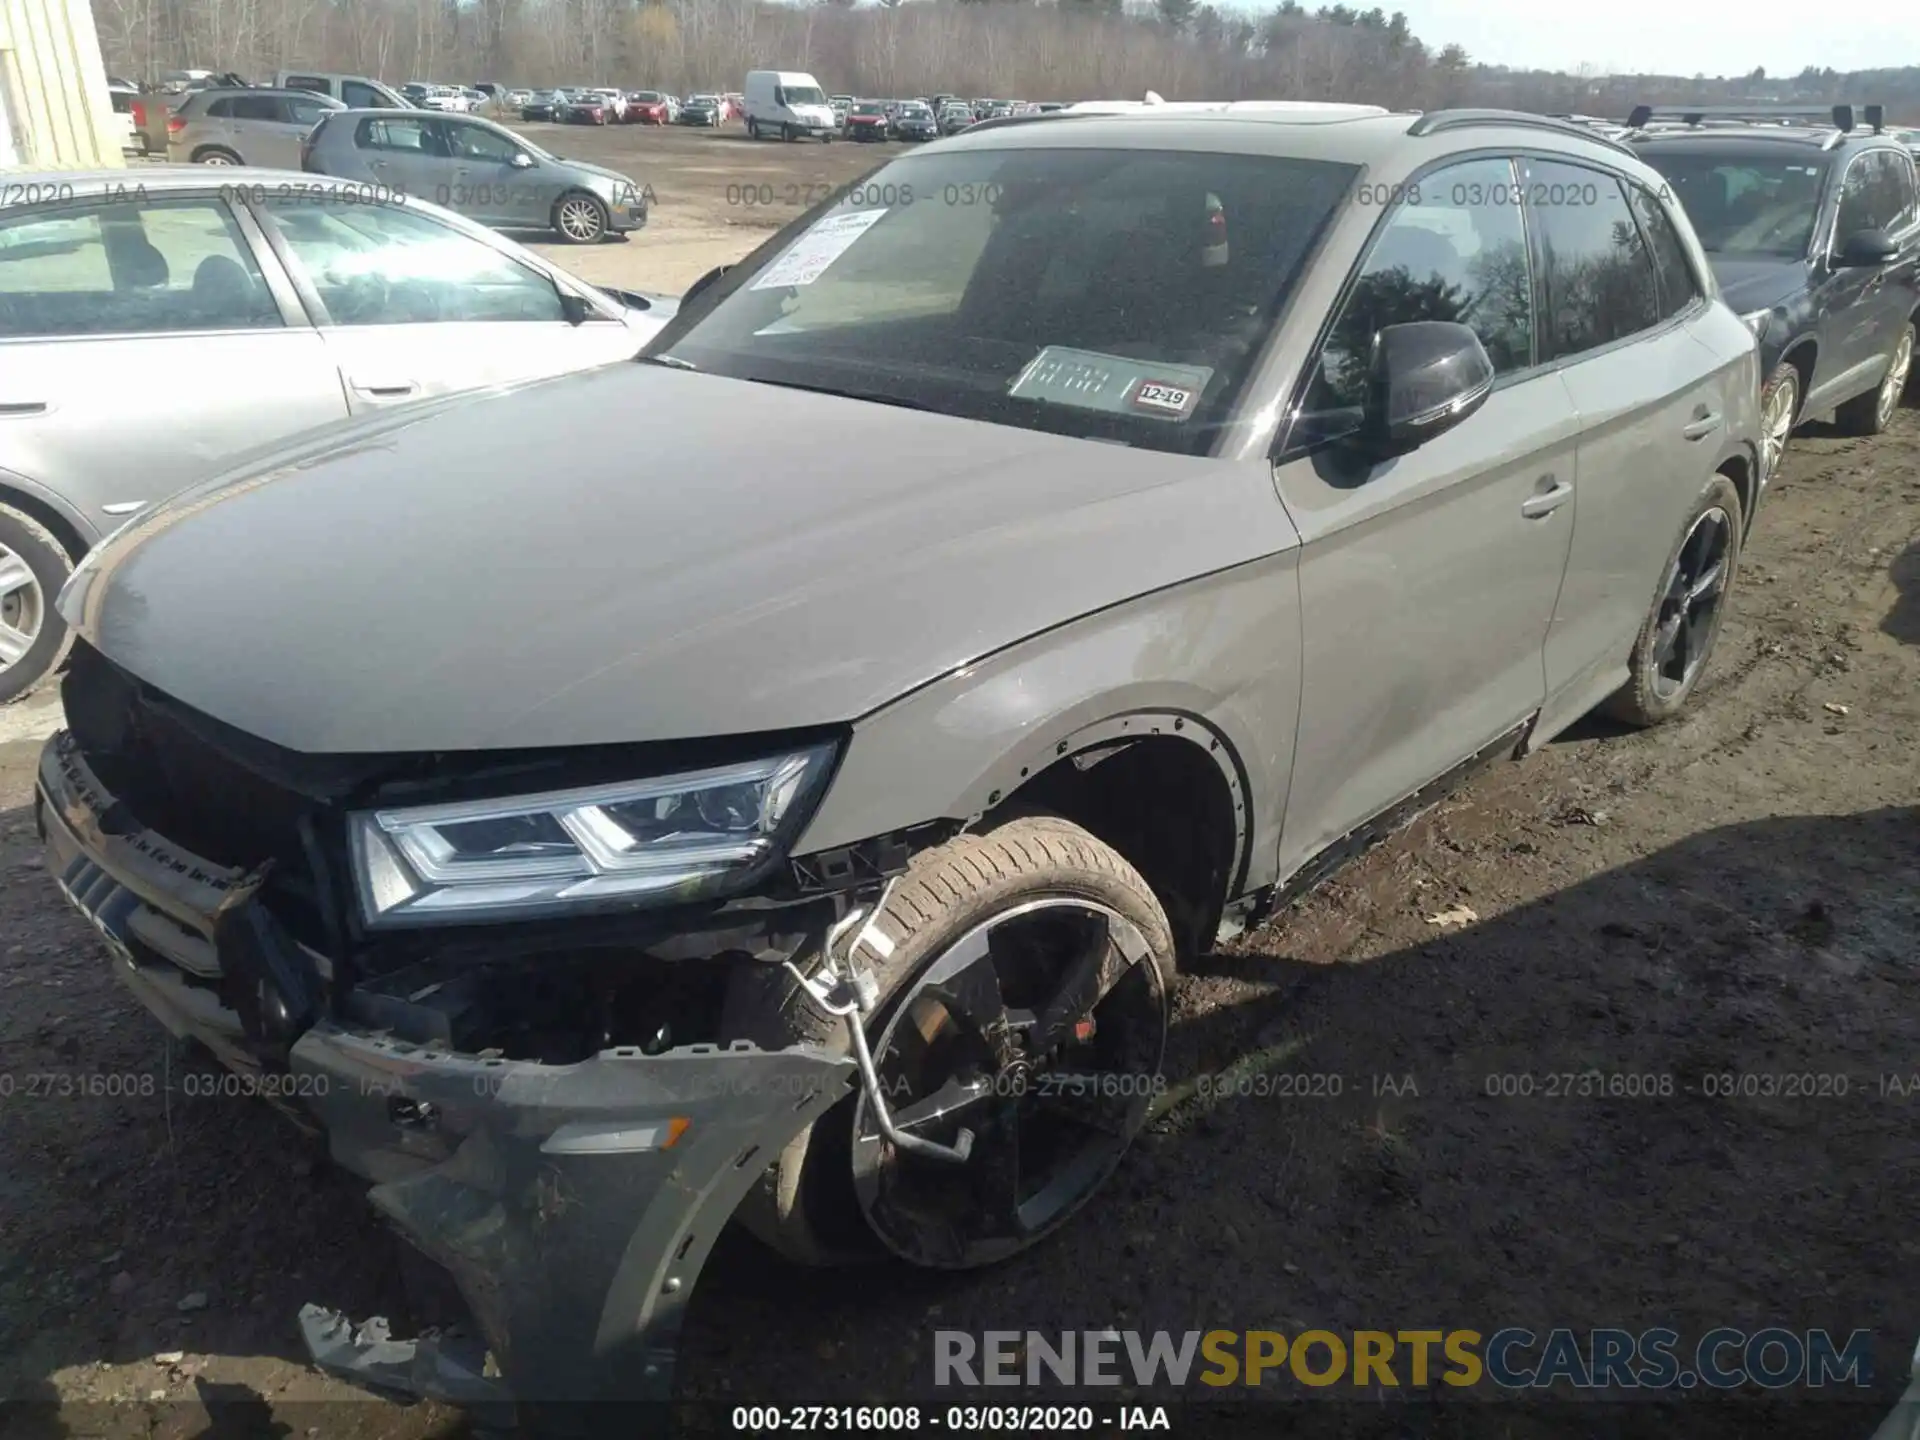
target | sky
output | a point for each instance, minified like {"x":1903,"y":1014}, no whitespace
{"x":1674,"y":37}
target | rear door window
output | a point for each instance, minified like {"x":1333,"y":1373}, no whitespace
{"x":127,"y":268}
{"x":405,"y":137}
{"x":359,"y":96}
{"x":1598,"y":276}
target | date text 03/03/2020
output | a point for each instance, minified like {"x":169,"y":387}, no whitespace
{"x":952,"y":1419}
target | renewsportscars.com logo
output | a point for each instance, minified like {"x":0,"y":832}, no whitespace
{"x":1513,"y":1358}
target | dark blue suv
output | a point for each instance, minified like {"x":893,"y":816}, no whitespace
{"x":1814,"y":233}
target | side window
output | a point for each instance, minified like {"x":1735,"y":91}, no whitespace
{"x":220,"y":109}
{"x":405,"y":137}
{"x":256,"y":107}
{"x":360,"y":96}
{"x":1857,"y":195}
{"x":124,"y":268}
{"x":1599,"y":277}
{"x":1889,"y":190}
{"x":1455,"y":249}
{"x":1678,"y":286}
{"x":476,"y":142}
{"x":384,"y":265}
{"x":1902,"y":194}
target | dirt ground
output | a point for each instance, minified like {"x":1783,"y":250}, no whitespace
{"x":1736,"y":894}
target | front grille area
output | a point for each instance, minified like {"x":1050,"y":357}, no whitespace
{"x":206,"y":787}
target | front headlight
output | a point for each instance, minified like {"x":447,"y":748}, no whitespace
{"x":676,"y":838}
{"x":1757,"y":321}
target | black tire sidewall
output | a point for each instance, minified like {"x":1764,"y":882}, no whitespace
{"x":50,"y":565}
{"x":770,"y":1010}
{"x":1637,"y":703}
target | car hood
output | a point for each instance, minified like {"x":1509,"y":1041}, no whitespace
{"x":1749,"y":285}
{"x":638,"y":554}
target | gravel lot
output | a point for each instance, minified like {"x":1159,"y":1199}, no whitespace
{"x":1736,"y":893}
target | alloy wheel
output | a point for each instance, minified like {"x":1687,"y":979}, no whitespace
{"x":217,"y":157}
{"x":1776,"y":422}
{"x":1894,"y":384}
{"x":22,"y":608}
{"x":580,"y":219}
{"x":1690,"y":603}
{"x":1041,"y":1032}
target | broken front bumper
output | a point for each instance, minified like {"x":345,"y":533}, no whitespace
{"x":573,"y":1205}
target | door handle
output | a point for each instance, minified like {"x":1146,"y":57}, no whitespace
{"x":1545,"y":501}
{"x":386,"y":389}
{"x":1702,"y":425}
{"x":23,"y":407}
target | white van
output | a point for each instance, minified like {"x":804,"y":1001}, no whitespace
{"x":789,"y":104}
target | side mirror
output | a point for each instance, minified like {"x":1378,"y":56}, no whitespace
{"x":521,"y":160}
{"x":574,"y":307}
{"x":704,"y":282}
{"x":1865,"y":248}
{"x":1424,"y":378}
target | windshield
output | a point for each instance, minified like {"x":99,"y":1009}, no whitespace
{"x":915,"y":112}
{"x":869,"y":107}
{"x":805,"y":95}
{"x":1111,"y":294}
{"x":650,"y":97}
{"x":1745,"y":205}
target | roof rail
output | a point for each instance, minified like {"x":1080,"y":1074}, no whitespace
{"x":1841,"y":117}
{"x":1435,"y":121}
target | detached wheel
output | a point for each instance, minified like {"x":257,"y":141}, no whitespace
{"x":1779,"y":411}
{"x":1025,"y":1000}
{"x":33,"y":637}
{"x":1873,"y":412}
{"x":580,"y":218}
{"x":1672,"y":649}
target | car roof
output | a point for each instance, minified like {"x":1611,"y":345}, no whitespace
{"x":1804,"y":138}
{"x":1345,"y":135}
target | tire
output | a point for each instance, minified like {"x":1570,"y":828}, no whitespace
{"x":753,"y":129}
{"x":1871,"y":413}
{"x":33,"y":567}
{"x":806,"y":1206}
{"x":215,"y":155}
{"x":1782,"y":390}
{"x":1653,"y":695}
{"x":580,"y":218}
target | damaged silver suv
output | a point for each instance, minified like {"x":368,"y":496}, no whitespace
{"x":1105,"y":525}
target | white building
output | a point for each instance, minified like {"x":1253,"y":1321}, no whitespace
{"x":55,"y":113}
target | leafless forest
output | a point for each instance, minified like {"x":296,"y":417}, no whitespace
{"x":1062,"y":49}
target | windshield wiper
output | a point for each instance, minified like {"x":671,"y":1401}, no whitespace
{"x":872,"y":396}
{"x":672,"y":362}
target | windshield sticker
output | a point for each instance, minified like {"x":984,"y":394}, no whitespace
{"x":807,"y":259}
{"x":1115,"y":384}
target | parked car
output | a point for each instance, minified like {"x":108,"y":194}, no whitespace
{"x":261,"y":128}
{"x":367,"y":307}
{"x":615,"y":100}
{"x":545,"y":105}
{"x":914,"y":121}
{"x":868,"y":120}
{"x":842,"y":106}
{"x":646,"y":107}
{"x":956,"y":118}
{"x":563,"y":896}
{"x":787,"y":105}
{"x":356,"y":92}
{"x":480,"y":169}
{"x":130,"y":118}
{"x":585,"y":107}
{"x":701,"y":110}
{"x":1814,"y":233}
{"x":735,"y":106}
{"x":516,"y":99}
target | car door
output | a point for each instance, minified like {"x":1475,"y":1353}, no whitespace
{"x":1854,"y":299}
{"x":1427,"y":582}
{"x":412,"y":307}
{"x":1646,"y":393}
{"x":487,"y":184}
{"x":406,"y":153}
{"x":143,"y":342}
{"x":270,"y":128}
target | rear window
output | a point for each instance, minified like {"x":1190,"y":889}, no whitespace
{"x":1754,"y":204}
{"x":1109,"y":294}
